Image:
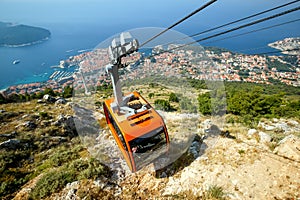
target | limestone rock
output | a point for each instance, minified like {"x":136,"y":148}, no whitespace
{"x":48,"y":98}
{"x":60,"y":101}
{"x":207,"y":125}
{"x":40,"y":101}
{"x":251,"y":132}
{"x":289,"y":147}
{"x":282,"y":126}
{"x":293,"y":122}
{"x":67,"y":122}
{"x":264,"y":137}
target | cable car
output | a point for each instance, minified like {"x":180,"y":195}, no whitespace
{"x":141,"y":137}
{"x":139,"y":130}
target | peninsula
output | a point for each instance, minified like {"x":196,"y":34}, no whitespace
{"x":16,"y":35}
{"x":288,"y":46}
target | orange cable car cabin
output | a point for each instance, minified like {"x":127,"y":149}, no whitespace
{"x":142,"y":137}
{"x":138,"y":129}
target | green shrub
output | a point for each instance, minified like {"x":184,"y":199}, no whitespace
{"x":150,"y":95}
{"x":161,"y":104}
{"x":44,"y":115}
{"x":56,"y":180}
{"x":187,"y":105}
{"x":204,"y":101}
{"x":68,"y":92}
{"x":215,"y":192}
{"x":173,"y":98}
{"x":52,"y":182}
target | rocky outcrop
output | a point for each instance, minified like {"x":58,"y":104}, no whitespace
{"x":67,"y":122}
{"x":286,"y":126}
{"x":251,"y":132}
{"x":264,"y":138}
{"x":259,"y":136}
{"x":289,"y":148}
{"x":9,"y":135}
{"x":48,"y":98}
{"x":29,"y":124}
{"x":10,"y":144}
{"x":60,"y":101}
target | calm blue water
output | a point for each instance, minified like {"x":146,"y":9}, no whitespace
{"x":36,"y":60}
{"x":77,"y":26}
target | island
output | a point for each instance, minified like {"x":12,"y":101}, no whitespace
{"x":16,"y":35}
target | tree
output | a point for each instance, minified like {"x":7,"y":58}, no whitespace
{"x":204,"y":101}
{"x":151,"y":95}
{"x":2,"y":99}
{"x":68,"y":92}
{"x":173,"y":98}
{"x":49,"y":91}
{"x":161,"y":104}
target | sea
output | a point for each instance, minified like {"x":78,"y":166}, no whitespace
{"x":72,"y":37}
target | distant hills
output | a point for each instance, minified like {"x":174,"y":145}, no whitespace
{"x":13,"y":35}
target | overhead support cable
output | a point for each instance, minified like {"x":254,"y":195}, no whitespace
{"x":253,"y":31}
{"x":178,"y":22}
{"x":236,"y":21}
{"x":239,"y":27}
{"x":243,"y":19}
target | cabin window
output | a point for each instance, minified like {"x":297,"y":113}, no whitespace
{"x":149,"y":142}
{"x":147,"y":148}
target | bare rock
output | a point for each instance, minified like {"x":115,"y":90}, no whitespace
{"x":289,"y":147}
{"x":40,"y":101}
{"x":293,"y":122}
{"x":48,"y":98}
{"x":9,"y":135}
{"x":58,"y":139}
{"x":251,"y":132}
{"x":269,"y":128}
{"x":207,"y":124}
{"x":60,"y":101}
{"x":10,"y":144}
{"x":264,"y":137}
{"x":282,"y":126}
{"x":30,"y":124}
{"x":67,"y":122}
{"x":266,"y":127}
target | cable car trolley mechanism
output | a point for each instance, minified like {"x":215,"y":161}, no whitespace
{"x":137,"y":128}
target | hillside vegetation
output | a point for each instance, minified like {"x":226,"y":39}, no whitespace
{"x":255,"y":155}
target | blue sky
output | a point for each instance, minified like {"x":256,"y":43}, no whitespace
{"x":141,"y":12}
{"x":113,"y":16}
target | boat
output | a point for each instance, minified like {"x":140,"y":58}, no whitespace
{"x":16,"y":62}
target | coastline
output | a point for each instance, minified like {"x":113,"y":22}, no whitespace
{"x":25,"y":44}
{"x":56,"y":77}
{"x":288,"y":46}
{"x":63,"y":73}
